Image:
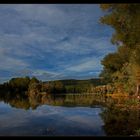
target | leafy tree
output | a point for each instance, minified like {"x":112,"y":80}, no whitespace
{"x":34,"y":80}
{"x":135,"y":69}
{"x":19,"y":84}
{"x":125,"y":19}
{"x":123,"y":65}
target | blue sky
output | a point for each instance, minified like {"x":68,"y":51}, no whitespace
{"x":52,"y":41}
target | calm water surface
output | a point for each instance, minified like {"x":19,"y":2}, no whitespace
{"x":51,"y":120}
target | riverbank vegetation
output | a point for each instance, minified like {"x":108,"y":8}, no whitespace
{"x":122,"y":68}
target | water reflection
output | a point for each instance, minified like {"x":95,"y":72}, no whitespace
{"x":32,"y":100}
{"x":52,"y":120}
{"x":121,"y":122}
{"x":43,"y":114}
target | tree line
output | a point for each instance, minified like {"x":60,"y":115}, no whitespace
{"x":22,"y":85}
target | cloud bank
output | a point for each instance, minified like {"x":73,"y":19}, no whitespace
{"x":52,"y":41}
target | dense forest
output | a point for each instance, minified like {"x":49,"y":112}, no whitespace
{"x":22,"y":84}
{"x":122,"y":68}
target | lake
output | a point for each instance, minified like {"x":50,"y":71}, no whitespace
{"x":47,"y":120}
{"x":70,"y":115}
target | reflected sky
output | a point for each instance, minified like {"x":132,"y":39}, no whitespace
{"x":51,"y":120}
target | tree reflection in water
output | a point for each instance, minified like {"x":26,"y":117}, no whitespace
{"x":121,"y":122}
{"x":116,"y":121}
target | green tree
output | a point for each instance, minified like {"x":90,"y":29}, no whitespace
{"x":125,"y":19}
{"x":19,"y":84}
{"x":34,"y":80}
{"x":135,"y":69}
{"x":124,"y":65}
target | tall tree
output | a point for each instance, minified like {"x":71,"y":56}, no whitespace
{"x":125,"y":19}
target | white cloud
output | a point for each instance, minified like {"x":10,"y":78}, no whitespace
{"x":85,"y":45}
{"x":44,"y":73}
{"x":12,"y":64}
{"x":85,"y":65}
{"x":65,"y":39}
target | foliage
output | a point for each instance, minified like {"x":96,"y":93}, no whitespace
{"x":123,"y":66}
{"x":19,"y":84}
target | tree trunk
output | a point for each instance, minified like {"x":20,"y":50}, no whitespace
{"x":137,"y":90}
